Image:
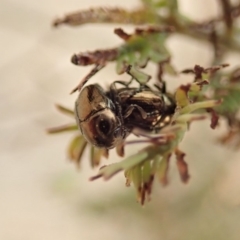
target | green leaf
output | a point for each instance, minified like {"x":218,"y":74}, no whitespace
{"x":96,"y":155}
{"x":162,"y":170}
{"x":146,"y":44}
{"x":76,"y":149}
{"x":146,"y":171}
{"x":181,"y":97}
{"x":199,"y":105}
{"x":136,"y":176}
{"x":65,"y":110}
{"x":108,"y":171}
{"x":63,"y":128}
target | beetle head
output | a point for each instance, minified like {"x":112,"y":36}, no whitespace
{"x":96,"y":118}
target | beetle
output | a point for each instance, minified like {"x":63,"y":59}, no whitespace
{"x":106,"y":118}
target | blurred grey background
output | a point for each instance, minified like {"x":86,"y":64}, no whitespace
{"x":43,"y":195}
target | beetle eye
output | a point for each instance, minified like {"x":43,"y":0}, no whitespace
{"x":99,"y":130}
{"x":104,"y":125}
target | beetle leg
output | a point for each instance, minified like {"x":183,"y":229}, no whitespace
{"x":162,"y":87}
{"x":126,"y":84}
{"x":140,"y":77}
{"x":118,"y":108}
{"x":130,"y":109}
{"x":156,"y":137}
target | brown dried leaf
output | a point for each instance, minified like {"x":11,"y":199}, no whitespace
{"x":107,"y":15}
{"x":182,"y":166}
{"x":214,"y":118}
{"x":120,"y":149}
{"x":98,"y":57}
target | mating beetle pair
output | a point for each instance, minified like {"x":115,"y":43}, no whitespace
{"x":106,"y":118}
